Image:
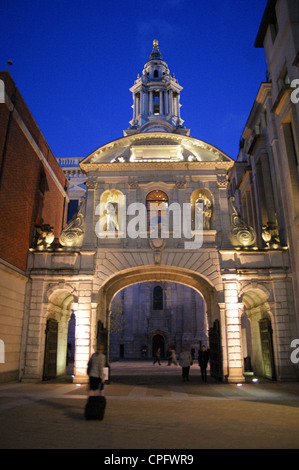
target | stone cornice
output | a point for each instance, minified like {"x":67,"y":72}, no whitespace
{"x":157,"y":166}
{"x":172,"y":138}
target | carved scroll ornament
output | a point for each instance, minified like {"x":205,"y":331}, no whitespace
{"x":73,"y":234}
{"x":242,"y":235}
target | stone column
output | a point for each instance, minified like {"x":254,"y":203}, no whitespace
{"x":222,"y":183}
{"x":35,"y":334}
{"x":146,"y":104}
{"x":233,"y":332}
{"x":161,"y":102}
{"x":151,"y":102}
{"x":85,"y":313}
{"x":178,"y":104}
{"x":138,"y":104}
{"x":134,"y":107}
{"x":166,"y":107}
{"x":170,"y":102}
{"x":141,"y":103}
{"x":62,"y":341}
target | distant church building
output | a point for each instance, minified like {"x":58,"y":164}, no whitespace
{"x":175,"y":244}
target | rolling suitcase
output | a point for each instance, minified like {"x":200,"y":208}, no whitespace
{"x":95,"y":408}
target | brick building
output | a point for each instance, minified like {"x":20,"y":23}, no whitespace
{"x":32,"y":194}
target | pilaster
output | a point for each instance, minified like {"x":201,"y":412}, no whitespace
{"x":235,"y":366}
{"x":90,"y":236}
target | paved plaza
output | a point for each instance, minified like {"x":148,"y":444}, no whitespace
{"x":150,"y":407}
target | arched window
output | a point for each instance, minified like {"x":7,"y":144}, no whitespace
{"x":158,"y":298}
{"x":156,"y":207}
{"x":156,"y":96}
{"x":156,"y":74}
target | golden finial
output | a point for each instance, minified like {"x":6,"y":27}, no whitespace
{"x":155,"y":43}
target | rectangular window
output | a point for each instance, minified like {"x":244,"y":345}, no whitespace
{"x":292,"y":154}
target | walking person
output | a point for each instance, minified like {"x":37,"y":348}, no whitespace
{"x":185,"y":361}
{"x":96,"y":403}
{"x":203,"y":359}
{"x":95,"y":371}
{"x":173,"y":358}
{"x":157,"y":357}
{"x":168,"y":356}
{"x":192,"y":354}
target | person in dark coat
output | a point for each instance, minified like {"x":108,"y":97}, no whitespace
{"x":203,"y":359}
{"x":96,"y":371}
{"x":157,"y":356}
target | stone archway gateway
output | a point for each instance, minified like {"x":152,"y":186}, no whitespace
{"x":225,"y":366}
{"x":199,"y":240}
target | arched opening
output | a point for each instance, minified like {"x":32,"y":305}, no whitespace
{"x":50,"y":361}
{"x":158,"y":275}
{"x":58,"y":336}
{"x":158,"y":343}
{"x":156,"y":97}
{"x":257,"y":334}
{"x":111,"y":204}
{"x":71,"y":342}
{"x":143,"y":311}
{"x":156,"y":207}
{"x":158,"y":298}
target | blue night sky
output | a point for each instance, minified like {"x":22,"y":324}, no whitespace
{"x":75,"y":60}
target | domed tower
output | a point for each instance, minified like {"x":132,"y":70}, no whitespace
{"x":156,"y":99}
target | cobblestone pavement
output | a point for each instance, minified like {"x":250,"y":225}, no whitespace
{"x":150,"y":407}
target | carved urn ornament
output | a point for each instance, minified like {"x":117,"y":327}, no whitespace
{"x":46,"y":236}
{"x":270,"y":235}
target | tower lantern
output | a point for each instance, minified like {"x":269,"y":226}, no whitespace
{"x":156,"y":98}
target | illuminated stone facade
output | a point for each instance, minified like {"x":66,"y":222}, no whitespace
{"x":247,"y":311}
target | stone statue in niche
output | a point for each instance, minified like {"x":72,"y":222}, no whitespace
{"x":206,"y":211}
{"x":111,"y":223}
